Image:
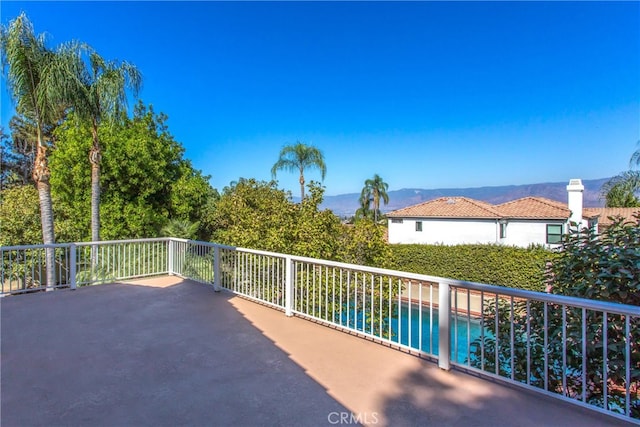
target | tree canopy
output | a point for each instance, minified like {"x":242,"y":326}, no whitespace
{"x":145,"y":179}
{"x":256,"y":214}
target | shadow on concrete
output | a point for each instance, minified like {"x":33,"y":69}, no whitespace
{"x":125,"y":354}
{"x":173,"y":352}
{"x":432,"y":397}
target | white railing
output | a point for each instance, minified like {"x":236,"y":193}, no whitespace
{"x":582,"y":351}
{"x":23,"y":268}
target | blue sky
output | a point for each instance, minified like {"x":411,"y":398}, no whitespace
{"x":425,"y":94}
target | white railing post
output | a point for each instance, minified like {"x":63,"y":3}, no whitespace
{"x":216,"y":269}
{"x":444,"y":328}
{"x":170,"y":246}
{"x":72,"y":266}
{"x":288,"y":287}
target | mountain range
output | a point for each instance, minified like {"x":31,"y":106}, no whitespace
{"x":345,"y":205}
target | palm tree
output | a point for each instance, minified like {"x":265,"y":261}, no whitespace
{"x":181,"y":229}
{"x":40,"y":81}
{"x":622,"y":190}
{"x":103,"y":96}
{"x":374,"y":190}
{"x":635,"y":158}
{"x":299,"y":157}
{"x":364,"y":211}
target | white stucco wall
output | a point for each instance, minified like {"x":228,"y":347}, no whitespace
{"x":446,"y":231}
{"x":526,"y":232}
{"x":466,"y":231}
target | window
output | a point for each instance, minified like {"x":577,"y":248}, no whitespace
{"x":554,"y":233}
{"x":418,"y":225}
{"x":396,"y":220}
{"x":503,"y":230}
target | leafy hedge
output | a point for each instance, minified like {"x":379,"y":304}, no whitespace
{"x":509,"y":266}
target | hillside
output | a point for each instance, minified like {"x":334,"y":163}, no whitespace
{"x":346,"y":204}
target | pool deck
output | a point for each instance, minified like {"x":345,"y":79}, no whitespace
{"x":166,"y":352}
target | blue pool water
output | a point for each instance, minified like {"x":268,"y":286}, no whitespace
{"x":463,"y":331}
{"x":406,"y":330}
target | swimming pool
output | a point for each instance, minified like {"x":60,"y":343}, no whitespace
{"x":464,"y":330}
{"x":405,"y":329}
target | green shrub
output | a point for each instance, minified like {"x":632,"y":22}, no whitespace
{"x":509,"y":266}
{"x":551,"y":348}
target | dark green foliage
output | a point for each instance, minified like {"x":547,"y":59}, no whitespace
{"x":604,"y":267}
{"x":622,"y":190}
{"x":253,"y":215}
{"x":16,"y":154}
{"x":493,"y":264}
{"x":257,"y":215}
{"x":20,"y":216}
{"x":363,"y":243}
{"x":145,"y":180}
{"x":180,"y":229}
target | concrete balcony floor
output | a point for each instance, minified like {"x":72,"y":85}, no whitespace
{"x":168,"y":352}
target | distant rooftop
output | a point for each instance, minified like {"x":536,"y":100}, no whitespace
{"x":604,"y":214}
{"x":534,"y":208}
{"x":523,"y":208}
{"x":449,"y":207}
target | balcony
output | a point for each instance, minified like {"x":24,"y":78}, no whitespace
{"x":280,"y":345}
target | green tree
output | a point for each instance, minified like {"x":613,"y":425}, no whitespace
{"x":299,"y":157}
{"x":145,"y":179}
{"x":374,"y":191}
{"x":253,"y":214}
{"x":191,"y":198}
{"x":364,"y":244}
{"x":364,"y":211}
{"x":103,"y":96}
{"x":10,"y":163}
{"x":180,"y":229}
{"x":41,"y":82}
{"x":603,"y":266}
{"x":19,"y":216}
{"x":257,"y":215}
{"x":600,"y":266}
{"x":622,"y":190}
{"x":316,"y":232}
{"x":19,"y":152}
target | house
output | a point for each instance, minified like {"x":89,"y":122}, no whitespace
{"x":521,"y":222}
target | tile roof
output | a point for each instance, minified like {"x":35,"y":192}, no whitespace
{"x":605,"y":213}
{"x":449,"y":207}
{"x":534,"y":208}
{"x":463,"y":207}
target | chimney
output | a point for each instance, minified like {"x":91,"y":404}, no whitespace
{"x":575,"y":190}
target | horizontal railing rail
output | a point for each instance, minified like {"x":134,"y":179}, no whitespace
{"x":582,"y":351}
{"x":24,"y":268}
